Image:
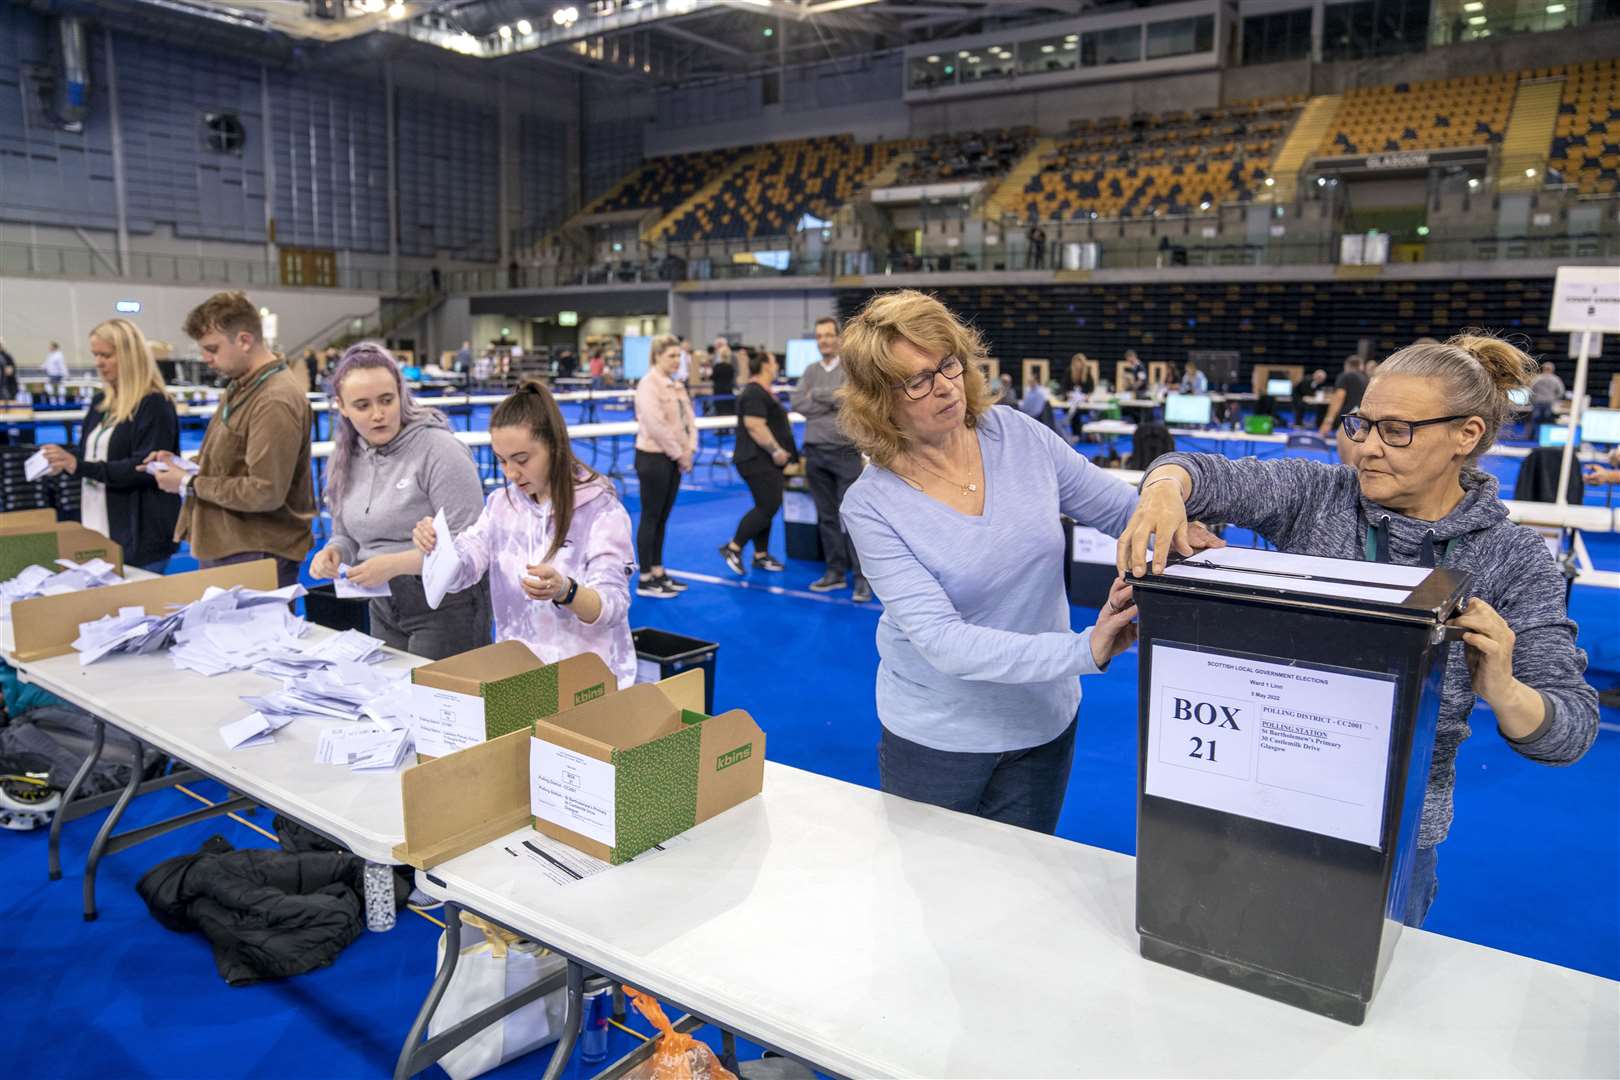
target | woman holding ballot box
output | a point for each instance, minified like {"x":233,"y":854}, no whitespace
{"x":555,"y":542}
{"x":393,"y":462}
{"x":956,"y":519}
{"x":131,"y":417}
{"x":1410,"y":493}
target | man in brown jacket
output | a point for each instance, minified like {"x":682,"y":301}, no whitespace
{"x":251,"y":497}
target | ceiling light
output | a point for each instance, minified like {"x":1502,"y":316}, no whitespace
{"x":1476,"y":20}
{"x":933,"y":59}
{"x":506,"y":33}
{"x":1204,"y":205}
{"x":525,"y":27}
{"x":1530,"y":173}
{"x":566,"y":16}
{"x":963,"y":55}
{"x":396,"y":10}
{"x":1048,"y":48}
{"x":1271,"y":181}
{"x":1321,"y":181}
{"x":1555,"y":9}
{"x":768,"y":31}
{"x":1473,"y":181}
{"x":1071,"y":37}
{"x":835,"y":5}
{"x":974,"y":59}
{"x":1071,"y":45}
{"x":1473,"y":5}
{"x":1423,"y":230}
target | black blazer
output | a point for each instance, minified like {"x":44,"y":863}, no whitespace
{"x":140,"y":515}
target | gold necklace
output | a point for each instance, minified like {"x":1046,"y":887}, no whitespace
{"x":968,"y":488}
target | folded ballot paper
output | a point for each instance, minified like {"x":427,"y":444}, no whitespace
{"x":73,"y":577}
{"x":36,"y":466}
{"x":183,"y":464}
{"x":348,"y":590}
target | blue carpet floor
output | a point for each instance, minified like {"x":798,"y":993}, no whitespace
{"x":1532,"y":865}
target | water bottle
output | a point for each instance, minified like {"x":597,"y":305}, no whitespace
{"x":593,"y":1036}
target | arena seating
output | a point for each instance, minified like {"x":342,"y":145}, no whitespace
{"x":1167,"y":163}
{"x":1586,"y":146}
{"x":972,"y":155}
{"x":665,"y":182}
{"x":1437,"y":115}
{"x":770,"y":195}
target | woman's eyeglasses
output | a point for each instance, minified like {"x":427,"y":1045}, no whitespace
{"x":921,"y":385}
{"x":1395,"y":433}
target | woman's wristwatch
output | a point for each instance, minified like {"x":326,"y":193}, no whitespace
{"x":568,"y":597}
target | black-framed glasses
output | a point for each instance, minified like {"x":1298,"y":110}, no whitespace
{"x":921,"y":384}
{"x":1392,"y":432}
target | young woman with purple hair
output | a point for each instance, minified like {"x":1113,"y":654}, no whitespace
{"x":395,"y":462}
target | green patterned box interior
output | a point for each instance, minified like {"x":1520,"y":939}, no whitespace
{"x":657,"y":787}
{"x":17,"y":553}
{"x":519,"y":700}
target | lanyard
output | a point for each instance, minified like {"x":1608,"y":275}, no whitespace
{"x":231,"y":397}
{"x":1375,"y":539}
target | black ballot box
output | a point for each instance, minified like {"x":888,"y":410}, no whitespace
{"x":1287,"y":717}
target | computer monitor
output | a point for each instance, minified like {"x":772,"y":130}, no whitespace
{"x":1601,"y":425}
{"x":801,"y":353}
{"x":1187,"y":410}
{"x":411,"y":373}
{"x":1279,"y":388}
{"x":637,"y":356}
{"x":1553,"y":435}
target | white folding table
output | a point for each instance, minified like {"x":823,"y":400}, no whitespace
{"x":867,"y":935}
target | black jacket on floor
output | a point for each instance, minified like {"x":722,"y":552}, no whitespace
{"x":140,"y":515}
{"x":268,"y":914}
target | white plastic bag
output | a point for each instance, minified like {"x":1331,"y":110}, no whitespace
{"x":492,"y":966}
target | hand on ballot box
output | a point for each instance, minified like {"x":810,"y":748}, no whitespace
{"x":1160,"y":523}
{"x":1115,"y":629}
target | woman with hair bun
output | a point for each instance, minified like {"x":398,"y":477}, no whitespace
{"x":555,"y":542}
{"x":1410,"y":492}
{"x":393,"y":461}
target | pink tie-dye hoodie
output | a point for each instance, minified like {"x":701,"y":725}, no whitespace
{"x":514,"y":532}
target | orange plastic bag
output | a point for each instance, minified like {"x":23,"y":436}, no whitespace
{"x":678,"y":1056}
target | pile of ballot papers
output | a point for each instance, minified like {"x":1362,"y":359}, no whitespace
{"x":43,"y":581}
{"x":373,"y":704}
{"x":226,"y":630}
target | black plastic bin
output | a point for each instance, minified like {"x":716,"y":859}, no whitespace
{"x":324,"y":607}
{"x":675,"y":653}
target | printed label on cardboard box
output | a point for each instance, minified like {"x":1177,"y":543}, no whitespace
{"x":445,"y":721}
{"x":572,"y":790}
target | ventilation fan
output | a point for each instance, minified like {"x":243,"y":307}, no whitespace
{"x":223,"y":133}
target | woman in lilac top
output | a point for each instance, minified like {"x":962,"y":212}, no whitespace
{"x":555,"y":542}
{"x":956,"y":520}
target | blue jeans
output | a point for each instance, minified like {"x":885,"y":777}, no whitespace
{"x":1019,"y":787}
{"x":1422,"y":886}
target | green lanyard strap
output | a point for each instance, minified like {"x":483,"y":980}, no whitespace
{"x":230,"y":396}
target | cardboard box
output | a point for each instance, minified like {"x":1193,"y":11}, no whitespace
{"x":46,"y":626}
{"x":489,"y":692}
{"x":464,"y":800}
{"x":28,"y":519}
{"x":41,"y":544}
{"x":615,"y":777}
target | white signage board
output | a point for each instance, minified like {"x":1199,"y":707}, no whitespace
{"x":1302,"y":746}
{"x":1586,"y":298}
{"x":1094,"y":546}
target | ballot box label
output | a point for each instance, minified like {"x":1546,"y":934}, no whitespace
{"x":572,"y":790}
{"x":1094,"y":546}
{"x":444,"y":721}
{"x":1294,"y":744}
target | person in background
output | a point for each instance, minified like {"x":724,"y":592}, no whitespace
{"x":130,"y":418}
{"x":1009,"y":395}
{"x":1598,"y":474}
{"x":1136,"y":374}
{"x":597,"y":368}
{"x":484,"y":367}
{"x":1078,"y":383}
{"x":764,"y":448}
{"x":309,"y":369}
{"x":1193,"y":381}
{"x":554,"y":542}
{"x":831,"y":462}
{"x":395,"y":461}
{"x":251,"y":497}
{"x":1413,"y":495}
{"x":1545,"y":394}
{"x":9,"y":383}
{"x":1306,"y":389}
{"x":723,"y":379}
{"x":1346,"y":399}
{"x":683,"y":374}
{"x":666,"y":444}
{"x":977,"y":682}
{"x":464,"y":357}
{"x":56,"y":371}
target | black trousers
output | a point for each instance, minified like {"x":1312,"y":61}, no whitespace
{"x":404,"y":621}
{"x":660,"y":480}
{"x":830,"y":470}
{"x":765,"y":484}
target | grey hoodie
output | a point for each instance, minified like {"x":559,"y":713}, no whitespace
{"x":420,"y":471}
{"x":1313,"y":508}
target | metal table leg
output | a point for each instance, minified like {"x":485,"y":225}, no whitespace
{"x":54,"y":848}
{"x":572,"y":1016}
{"x":99,"y":847}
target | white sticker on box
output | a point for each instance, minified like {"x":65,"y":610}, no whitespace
{"x":649,"y":671}
{"x":1305,"y":747}
{"x":444,"y":721}
{"x":1094,"y":546}
{"x":569,"y":789}
{"x":798,"y":508}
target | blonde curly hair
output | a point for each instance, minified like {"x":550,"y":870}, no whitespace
{"x":873,"y":372}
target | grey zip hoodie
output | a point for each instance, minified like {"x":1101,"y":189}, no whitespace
{"x":420,"y":471}
{"x":1313,"y":508}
